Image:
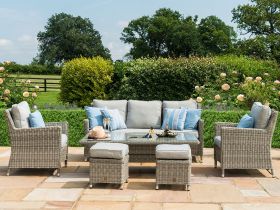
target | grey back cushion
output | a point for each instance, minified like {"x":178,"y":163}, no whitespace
{"x":190,"y":104}
{"x":121,"y":105}
{"x":20,"y":114}
{"x":144,"y":114}
{"x":261,"y":115}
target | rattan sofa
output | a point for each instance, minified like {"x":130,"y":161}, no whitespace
{"x":139,"y":117}
{"x":244,"y":148}
{"x":37,"y":147}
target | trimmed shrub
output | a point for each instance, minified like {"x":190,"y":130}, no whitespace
{"x":76,"y":131}
{"x":84,"y":79}
{"x":175,"y":79}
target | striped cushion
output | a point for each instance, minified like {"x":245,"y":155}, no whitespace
{"x":174,"y":119}
{"x":117,"y":121}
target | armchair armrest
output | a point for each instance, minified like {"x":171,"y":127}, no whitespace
{"x":86,"y":126}
{"x":219,"y":125}
{"x":63,"y":125}
{"x":201,"y":131}
{"x":36,"y":137}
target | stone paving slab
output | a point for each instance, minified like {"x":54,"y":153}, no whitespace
{"x":254,"y":193}
{"x":53,"y":195}
{"x":251,"y":206}
{"x":82,"y":205}
{"x":272,"y":186}
{"x":190,"y":206}
{"x":21,"y":205}
{"x":69,"y":177}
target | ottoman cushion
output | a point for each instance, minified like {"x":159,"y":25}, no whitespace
{"x":173,"y":152}
{"x":109,"y":150}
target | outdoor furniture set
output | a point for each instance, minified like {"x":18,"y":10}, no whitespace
{"x":246,"y":145}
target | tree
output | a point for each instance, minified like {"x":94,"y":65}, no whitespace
{"x":166,"y":34}
{"x":261,"y":20}
{"x":67,"y":37}
{"x":216,"y":36}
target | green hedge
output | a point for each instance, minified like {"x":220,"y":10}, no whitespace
{"x":75,"y":120}
{"x":175,"y":79}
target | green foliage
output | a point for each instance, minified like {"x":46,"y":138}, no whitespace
{"x":31,"y":68}
{"x":84,"y":79}
{"x":216,"y":36}
{"x":76,"y":132}
{"x":260,"y":19}
{"x":175,"y":79}
{"x":67,"y":37}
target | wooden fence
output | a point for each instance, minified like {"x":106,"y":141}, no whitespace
{"x":45,"y":84}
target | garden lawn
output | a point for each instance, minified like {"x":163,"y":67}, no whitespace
{"x":47,"y":98}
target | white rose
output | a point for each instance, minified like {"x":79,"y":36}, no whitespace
{"x":199,"y":99}
{"x":34,"y":95}
{"x":223,"y":75}
{"x":249,"y":78}
{"x":7,"y":92}
{"x":25,"y":94}
{"x":266,"y":74}
{"x":2,"y":69}
{"x":28,"y":81}
{"x":7,"y":62}
{"x":263,"y":84}
{"x":258,"y":79}
{"x":197,"y":88}
{"x":37,"y":87}
{"x":225,"y":87}
{"x":240,"y":97}
{"x":1,"y":81}
{"x":234,"y":72}
{"x":277,"y":82}
{"x":217,"y":97}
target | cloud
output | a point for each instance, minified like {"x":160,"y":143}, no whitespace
{"x":5,"y":42}
{"x":123,"y":23}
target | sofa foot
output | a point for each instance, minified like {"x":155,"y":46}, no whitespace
{"x":187,"y":187}
{"x":157,"y":187}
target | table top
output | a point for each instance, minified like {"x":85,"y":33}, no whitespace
{"x":138,"y":138}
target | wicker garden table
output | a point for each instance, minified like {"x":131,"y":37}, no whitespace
{"x":140,"y":149}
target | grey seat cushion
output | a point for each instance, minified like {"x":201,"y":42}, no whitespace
{"x":143,"y":114}
{"x":64,"y":140}
{"x":120,"y":105}
{"x":218,"y":141}
{"x":109,"y":150}
{"x":20,"y":114}
{"x":173,"y":152}
{"x":190,"y":104}
{"x":261,"y":115}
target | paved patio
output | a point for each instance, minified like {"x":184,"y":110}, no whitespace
{"x":239,"y":190}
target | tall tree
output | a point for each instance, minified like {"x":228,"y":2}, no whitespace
{"x":216,"y":36}
{"x":166,"y":34}
{"x":67,"y":37}
{"x":261,"y":20}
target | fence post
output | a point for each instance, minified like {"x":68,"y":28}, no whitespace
{"x":45,"y":85}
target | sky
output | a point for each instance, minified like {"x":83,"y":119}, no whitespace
{"x":20,"y":21}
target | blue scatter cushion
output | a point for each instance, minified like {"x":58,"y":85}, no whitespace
{"x":36,"y":120}
{"x":116,"y":120}
{"x":174,"y":119}
{"x":192,"y":118}
{"x":246,"y":122}
{"x":94,"y":116}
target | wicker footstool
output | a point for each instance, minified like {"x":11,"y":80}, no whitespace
{"x":108,"y":164}
{"x":173,"y":165}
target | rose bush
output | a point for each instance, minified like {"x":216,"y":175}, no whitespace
{"x":236,"y":90}
{"x":13,"y":91}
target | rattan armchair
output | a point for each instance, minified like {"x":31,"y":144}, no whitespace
{"x":37,"y":147}
{"x":244,"y":148}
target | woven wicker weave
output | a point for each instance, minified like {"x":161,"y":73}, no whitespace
{"x":144,"y":151}
{"x":244,"y":148}
{"x":37,"y":147}
{"x":108,"y":171}
{"x":176,"y":172}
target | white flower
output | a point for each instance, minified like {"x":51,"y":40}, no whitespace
{"x":266,"y":74}
{"x":199,"y":99}
{"x":277,"y":82}
{"x":234,"y":72}
{"x":240,"y":97}
{"x":25,"y":94}
{"x":7,"y":62}
{"x":1,"y":81}
{"x":7,"y":92}
{"x":2,"y":69}
{"x":34,"y":95}
{"x":249,"y":78}
{"x":28,"y":81}
{"x":263,"y":84}
{"x":217,"y":97}
{"x":225,"y":87}
{"x":197,"y":88}
{"x":258,"y":79}
{"x":37,"y":87}
{"x":223,"y":75}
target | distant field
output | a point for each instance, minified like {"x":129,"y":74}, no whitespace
{"x":53,"y":81}
{"x":47,"y":98}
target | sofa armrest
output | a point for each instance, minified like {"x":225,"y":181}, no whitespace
{"x":64,"y":126}
{"x":219,"y":125}
{"x":36,"y":137}
{"x":86,"y":126}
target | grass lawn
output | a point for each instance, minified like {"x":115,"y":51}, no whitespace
{"x":36,"y":76}
{"x":47,"y":98}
